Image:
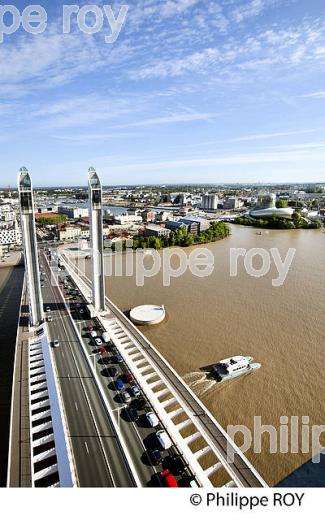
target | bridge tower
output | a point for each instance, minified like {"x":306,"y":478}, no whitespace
{"x":96,"y":234}
{"x":26,"y":202}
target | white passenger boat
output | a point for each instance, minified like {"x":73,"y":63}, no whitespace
{"x":234,"y":367}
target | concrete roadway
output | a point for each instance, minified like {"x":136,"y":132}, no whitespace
{"x":98,"y":456}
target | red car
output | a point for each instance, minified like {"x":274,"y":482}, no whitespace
{"x":169,"y":478}
{"x":128,"y":377}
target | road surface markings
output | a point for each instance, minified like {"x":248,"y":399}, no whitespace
{"x":87,"y":449}
{"x":76,"y":406}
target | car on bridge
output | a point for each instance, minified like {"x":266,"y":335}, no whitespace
{"x":135,"y":390}
{"x":133,"y":413}
{"x":168,"y":478}
{"x":156,"y":457}
{"x":140,"y":403}
{"x":163,"y":440}
{"x":106,"y":337}
{"x":128,"y":377}
{"x":119,"y":383}
{"x":152,"y":419}
{"x":126,"y":397}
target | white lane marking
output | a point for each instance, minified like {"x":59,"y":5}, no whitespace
{"x":76,"y":406}
{"x":87,"y":447}
{"x":63,"y":354}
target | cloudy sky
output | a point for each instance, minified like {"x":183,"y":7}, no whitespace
{"x":191,"y":91}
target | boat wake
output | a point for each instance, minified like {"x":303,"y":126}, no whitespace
{"x":199,"y":382}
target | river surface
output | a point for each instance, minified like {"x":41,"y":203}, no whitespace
{"x":219,"y":316}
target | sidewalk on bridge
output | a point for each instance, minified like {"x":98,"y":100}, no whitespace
{"x":19,"y":463}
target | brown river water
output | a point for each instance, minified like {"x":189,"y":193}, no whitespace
{"x":219,"y":316}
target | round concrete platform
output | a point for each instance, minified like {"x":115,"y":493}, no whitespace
{"x":148,"y":314}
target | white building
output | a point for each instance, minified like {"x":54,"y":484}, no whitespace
{"x":73,"y":212}
{"x":6,"y":212}
{"x":127,"y":219}
{"x":10,"y":236}
{"x":45,"y":208}
{"x":72,"y":232}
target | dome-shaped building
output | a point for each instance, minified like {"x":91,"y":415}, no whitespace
{"x":266,"y":208}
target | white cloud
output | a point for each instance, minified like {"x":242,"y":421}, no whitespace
{"x":182,"y":117}
{"x":271,"y":49}
{"x":258,"y":137}
{"x":250,"y":9}
{"x":315,"y":95}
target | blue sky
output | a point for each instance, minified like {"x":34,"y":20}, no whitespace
{"x":191,"y":91}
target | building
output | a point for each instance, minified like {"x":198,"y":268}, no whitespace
{"x":175,"y":225}
{"x":154,"y":230}
{"x":148,"y":215}
{"x":67,"y":232}
{"x":210,"y":201}
{"x":232,"y":203}
{"x":45,"y":209}
{"x":164,"y":215}
{"x":266,"y":208}
{"x":73,"y":212}
{"x":10,"y":236}
{"x":195,"y":225}
{"x":6,"y":212}
{"x":122,"y":220}
{"x":10,"y":233}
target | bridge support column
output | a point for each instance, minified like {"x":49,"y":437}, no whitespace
{"x":97,"y":245}
{"x":26,"y":202}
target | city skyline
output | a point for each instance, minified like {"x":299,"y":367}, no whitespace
{"x":191,"y":92}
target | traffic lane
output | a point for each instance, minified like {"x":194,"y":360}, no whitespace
{"x":117,"y":461}
{"x":108,"y":438}
{"x":92,"y":472}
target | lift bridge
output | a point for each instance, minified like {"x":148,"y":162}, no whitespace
{"x":199,"y":438}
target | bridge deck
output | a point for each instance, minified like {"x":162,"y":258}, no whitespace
{"x":243,"y":472}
